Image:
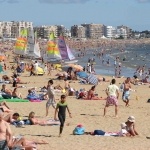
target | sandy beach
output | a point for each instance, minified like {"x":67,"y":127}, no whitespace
{"x":89,"y":113}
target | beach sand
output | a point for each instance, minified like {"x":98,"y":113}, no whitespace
{"x":92,"y":119}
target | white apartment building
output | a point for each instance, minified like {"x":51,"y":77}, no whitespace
{"x":110,"y":32}
{"x":121,"y":32}
{"x":12,"y":29}
{"x":24,"y":25}
{"x":5,"y":29}
{"x":49,"y":29}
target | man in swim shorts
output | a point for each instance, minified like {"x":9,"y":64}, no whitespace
{"x":51,"y":98}
{"x":126,"y":92}
{"x":5,"y":133}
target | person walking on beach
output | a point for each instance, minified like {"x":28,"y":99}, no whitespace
{"x":126,"y":91}
{"x":5,"y":133}
{"x":62,"y":106}
{"x":112,"y":92}
{"x":51,"y":98}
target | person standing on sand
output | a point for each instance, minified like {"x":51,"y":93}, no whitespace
{"x":5,"y":133}
{"x":112,"y":92}
{"x":126,"y":91}
{"x":62,"y":105}
{"x":51,"y":98}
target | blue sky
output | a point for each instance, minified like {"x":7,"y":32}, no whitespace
{"x":133,"y":13}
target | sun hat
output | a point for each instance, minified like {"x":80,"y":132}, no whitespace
{"x":131,"y":119}
{"x":123,"y":125}
{"x":79,"y":125}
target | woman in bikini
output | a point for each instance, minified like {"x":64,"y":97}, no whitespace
{"x":15,"y":94}
{"x":35,"y":121}
{"x":22,"y":143}
{"x":91,"y":95}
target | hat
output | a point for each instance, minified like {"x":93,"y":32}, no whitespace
{"x":79,"y":125}
{"x":123,"y":125}
{"x":131,"y":119}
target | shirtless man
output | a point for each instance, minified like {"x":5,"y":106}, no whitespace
{"x":5,"y":133}
{"x":51,"y":97}
{"x":126,"y":92}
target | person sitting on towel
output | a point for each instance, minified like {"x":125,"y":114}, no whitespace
{"x":92,"y":96}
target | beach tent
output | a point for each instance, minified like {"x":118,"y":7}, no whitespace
{"x":82,"y":74}
{"x":40,"y":71}
{"x":103,"y":37}
{"x":92,"y":79}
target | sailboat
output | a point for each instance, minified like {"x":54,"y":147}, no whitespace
{"x":33,"y":49}
{"x":52,"y":53}
{"x":21,"y":43}
{"x":65,"y":51}
{"x":26,"y":44}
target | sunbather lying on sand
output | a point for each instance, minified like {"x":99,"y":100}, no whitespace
{"x":5,"y":107}
{"x":21,"y":142}
{"x":35,"y":121}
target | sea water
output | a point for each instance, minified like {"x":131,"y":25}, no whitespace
{"x":135,"y":55}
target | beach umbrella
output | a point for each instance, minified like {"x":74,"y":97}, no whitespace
{"x":92,"y":79}
{"x":2,"y":57}
{"x":76,"y":67}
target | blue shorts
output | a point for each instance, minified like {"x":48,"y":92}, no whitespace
{"x":126,"y":95}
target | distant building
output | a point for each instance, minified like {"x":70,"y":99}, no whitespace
{"x":12,"y":29}
{"x":124,"y":31}
{"x":93,"y":31}
{"x":110,"y":31}
{"x":44,"y":31}
{"x":78,"y":31}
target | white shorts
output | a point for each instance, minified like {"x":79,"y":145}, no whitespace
{"x":51,"y":102}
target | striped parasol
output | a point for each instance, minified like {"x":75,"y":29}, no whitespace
{"x":92,"y":79}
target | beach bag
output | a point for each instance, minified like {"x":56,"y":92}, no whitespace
{"x":148,"y":101}
{"x":79,"y":130}
{"x":99,"y":132}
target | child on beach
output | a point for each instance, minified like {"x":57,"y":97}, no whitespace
{"x":62,"y":105}
{"x":51,"y":98}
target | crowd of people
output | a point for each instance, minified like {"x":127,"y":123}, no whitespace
{"x":7,"y":141}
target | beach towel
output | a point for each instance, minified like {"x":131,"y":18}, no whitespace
{"x":103,"y":133}
{"x":51,"y":122}
{"x":35,"y":100}
{"x":92,"y":79}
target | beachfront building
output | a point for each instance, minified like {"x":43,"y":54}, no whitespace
{"x":61,"y":30}
{"x":125,"y":31}
{"x":1,"y":30}
{"x":121,"y":33}
{"x":93,"y":31}
{"x":12,"y":29}
{"x":110,"y":32}
{"x":5,"y":29}
{"x":44,"y":31}
{"x":24,"y":25}
{"x":78,"y":31}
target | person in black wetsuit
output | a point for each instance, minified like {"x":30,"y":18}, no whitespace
{"x":62,"y":105}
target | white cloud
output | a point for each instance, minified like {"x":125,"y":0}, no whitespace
{"x":9,"y":1}
{"x":63,"y":1}
{"x":143,"y":1}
